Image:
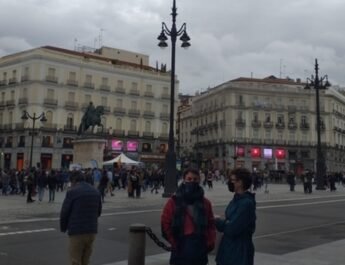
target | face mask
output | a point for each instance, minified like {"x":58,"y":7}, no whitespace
{"x":191,"y":187}
{"x":231,"y":186}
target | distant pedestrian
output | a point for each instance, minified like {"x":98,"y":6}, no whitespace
{"x":188,"y":223}
{"x":291,"y":180}
{"x":52,"y":184}
{"x":79,"y":217}
{"x":29,"y":179}
{"x":238,"y":225}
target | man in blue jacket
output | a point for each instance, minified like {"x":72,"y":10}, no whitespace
{"x":238,"y":225}
{"x":79,"y":217}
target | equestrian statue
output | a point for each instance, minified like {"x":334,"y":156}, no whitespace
{"x":91,"y":117}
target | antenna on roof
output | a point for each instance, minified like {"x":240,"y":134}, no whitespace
{"x":75,"y":44}
{"x":100,"y":37}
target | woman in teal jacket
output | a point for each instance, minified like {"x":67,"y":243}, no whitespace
{"x":238,"y":225}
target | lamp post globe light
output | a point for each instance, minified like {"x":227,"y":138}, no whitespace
{"x":170,"y":181}
{"x":34,"y":118}
{"x":319,"y":83}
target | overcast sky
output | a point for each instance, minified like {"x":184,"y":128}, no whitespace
{"x":229,"y":38}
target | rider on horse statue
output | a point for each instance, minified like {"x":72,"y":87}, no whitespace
{"x":91,"y":117}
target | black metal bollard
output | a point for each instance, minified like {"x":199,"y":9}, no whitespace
{"x":137,"y":242}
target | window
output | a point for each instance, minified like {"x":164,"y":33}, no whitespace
{"x":50,"y":93}
{"x":69,"y":122}
{"x":24,"y":93}
{"x":239,"y":115}
{"x":4,"y":76}
{"x":134,"y":86}
{"x":118,"y":124}
{"x":72,"y":76}
{"x":255,"y":116}
{"x":1,"y":118}
{"x":88,"y":79}
{"x":291,"y":118}
{"x":10,"y":117}
{"x":165,"y":90}
{"x":3,"y":96}
{"x":14,"y":73}
{"x":51,"y":72}
{"x":71,"y":96}
{"x":133,"y":105}
{"x":268,"y":134}
{"x":104,"y":81}
{"x":148,"y":126}
{"x":165,"y":108}
{"x":280,"y":136}
{"x":119,"y":102}
{"x":149,"y":88}
{"x":165,"y":127}
{"x":239,"y":133}
{"x":12,"y":95}
{"x":133,"y":125}
{"x":256,"y":134}
{"x":87,"y":99}
{"x":280,"y":118}
{"x":49,"y":116}
{"x":104,"y":101}
{"x":120,"y":83}
{"x":26,"y":71}
{"x":304,"y":136}
{"x":304,"y":119}
{"x":148,"y":106}
{"x":267,"y":117}
{"x":292,"y":136}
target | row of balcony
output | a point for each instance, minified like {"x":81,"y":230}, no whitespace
{"x":278,"y":125}
{"x":253,"y":141}
{"x":73,"y":129}
{"x":88,"y":85}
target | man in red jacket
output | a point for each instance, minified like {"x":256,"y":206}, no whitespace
{"x":188,"y":222}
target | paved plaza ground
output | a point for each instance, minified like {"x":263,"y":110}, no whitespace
{"x":13,"y":208}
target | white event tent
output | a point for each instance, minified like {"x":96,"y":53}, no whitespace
{"x":121,"y":159}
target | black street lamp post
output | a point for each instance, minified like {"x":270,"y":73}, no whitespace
{"x":318,"y":83}
{"x":34,"y":118}
{"x":170,"y":181}
{"x":235,"y":156}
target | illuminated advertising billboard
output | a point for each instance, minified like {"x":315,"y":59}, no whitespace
{"x":116,"y":145}
{"x":132,"y":146}
{"x":267,"y":153}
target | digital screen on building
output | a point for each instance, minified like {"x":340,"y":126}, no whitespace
{"x":132,"y":146}
{"x":240,"y":151}
{"x":280,"y":153}
{"x":255,"y":152}
{"x":267,"y":153}
{"x":117,"y":145}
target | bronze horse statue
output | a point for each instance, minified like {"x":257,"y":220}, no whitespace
{"x":91,"y":118}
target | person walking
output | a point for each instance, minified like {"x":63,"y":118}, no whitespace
{"x":188,"y":223}
{"x":291,"y":180}
{"x":79,"y":218}
{"x":238,"y":225}
{"x":52,"y":184}
{"x":41,"y":184}
{"x":30,"y":185}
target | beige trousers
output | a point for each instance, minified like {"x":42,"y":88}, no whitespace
{"x":80,"y":248}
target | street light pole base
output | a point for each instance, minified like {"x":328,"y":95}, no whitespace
{"x":170,"y":180}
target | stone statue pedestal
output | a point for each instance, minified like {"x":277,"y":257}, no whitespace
{"x":88,"y":152}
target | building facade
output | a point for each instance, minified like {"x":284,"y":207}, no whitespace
{"x":61,"y":83}
{"x":262,"y":124}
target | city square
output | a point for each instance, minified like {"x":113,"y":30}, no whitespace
{"x":118,"y":136}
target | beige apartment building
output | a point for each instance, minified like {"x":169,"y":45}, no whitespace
{"x":61,"y":83}
{"x":261,"y":124}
